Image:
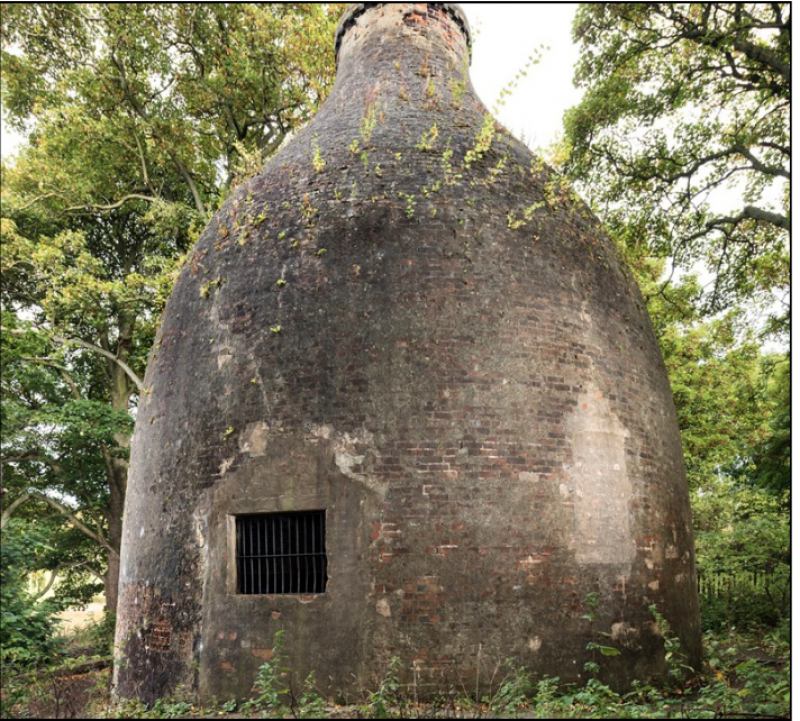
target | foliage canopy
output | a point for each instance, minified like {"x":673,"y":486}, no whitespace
{"x":137,"y":117}
{"x":682,"y":138}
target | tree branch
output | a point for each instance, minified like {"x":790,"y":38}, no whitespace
{"x":89,"y":206}
{"x":16,"y":503}
{"x":53,"y":576}
{"x":63,"y":566}
{"x":145,"y":174}
{"x":90,"y":346}
{"x":183,"y":170}
{"x":64,"y":511}
{"x":63,"y":372}
{"x":108,"y":354}
{"x":112,"y":206}
{"x":757,"y":53}
{"x":750,"y":211}
{"x":39,"y":198}
{"x":142,"y":113}
{"x":760,"y":166}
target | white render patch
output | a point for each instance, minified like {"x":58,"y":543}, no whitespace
{"x":353,"y":453}
{"x":253,"y":440}
{"x":200,"y":527}
{"x":346,"y":462}
{"x":622,"y":629}
{"x":601,"y":525}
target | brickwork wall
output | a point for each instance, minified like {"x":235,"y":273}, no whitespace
{"x":407,"y":321}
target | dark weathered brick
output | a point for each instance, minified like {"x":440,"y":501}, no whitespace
{"x":481,"y":409}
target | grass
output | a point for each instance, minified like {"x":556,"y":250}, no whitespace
{"x":745,"y":675}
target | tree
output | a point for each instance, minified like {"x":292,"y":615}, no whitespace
{"x":719,"y":376}
{"x":743,"y":534}
{"x":82,"y":307}
{"x":682,"y":137}
{"x":164,"y":91}
{"x":771,"y":464}
{"x":28,"y":629}
{"x":137,"y":117}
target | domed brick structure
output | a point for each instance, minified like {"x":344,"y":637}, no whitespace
{"x":405,"y":401}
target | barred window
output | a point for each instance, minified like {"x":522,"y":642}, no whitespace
{"x":281,"y":553}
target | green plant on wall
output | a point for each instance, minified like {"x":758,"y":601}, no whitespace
{"x":527,"y":215}
{"x":483,"y":141}
{"x":428,"y":140}
{"x":317,"y":161}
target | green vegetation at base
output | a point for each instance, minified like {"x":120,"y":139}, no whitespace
{"x":63,"y":676}
{"x":744,"y":674}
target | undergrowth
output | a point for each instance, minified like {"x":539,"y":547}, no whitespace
{"x":744,"y":675}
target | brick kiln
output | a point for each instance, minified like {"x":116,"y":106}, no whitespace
{"x":405,"y":401}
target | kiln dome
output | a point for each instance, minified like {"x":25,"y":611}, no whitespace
{"x":405,"y":401}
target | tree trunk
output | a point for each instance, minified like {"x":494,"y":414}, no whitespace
{"x":121,"y":389}
{"x":116,"y":507}
{"x":111,"y":583}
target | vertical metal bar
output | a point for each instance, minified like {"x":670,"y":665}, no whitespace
{"x":258,"y":523}
{"x":268,"y":554}
{"x":268,"y":531}
{"x":250,"y":529}
{"x":278,"y":552}
{"x":283,"y":556}
{"x":296,"y":564}
{"x":293,"y":550}
{"x":238,"y":532}
{"x":274,"y":552}
{"x":313,"y":552}
{"x":244,"y":554}
{"x":322,"y":573}
{"x":276,"y":532}
{"x":318,"y":548}
{"x":307,"y":558}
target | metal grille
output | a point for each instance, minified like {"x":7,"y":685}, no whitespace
{"x":281,"y":553}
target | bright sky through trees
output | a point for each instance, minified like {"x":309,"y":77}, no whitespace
{"x":506,"y":35}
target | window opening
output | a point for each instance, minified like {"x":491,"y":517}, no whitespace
{"x":281,"y":553}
